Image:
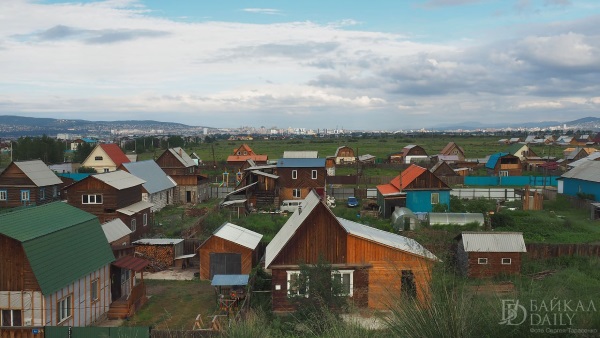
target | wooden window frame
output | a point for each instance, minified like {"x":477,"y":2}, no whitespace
{"x":342,"y":273}
{"x":12,"y":317}
{"x":509,"y":261}
{"x":295,"y":293}
{"x":68,"y":302}
{"x":42,"y":194}
{"x":133,"y":224}
{"x":145,"y":219}
{"x":482,"y":261}
{"x":96,"y":289}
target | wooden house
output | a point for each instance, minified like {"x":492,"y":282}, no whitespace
{"x":259,"y":186}
{"x":192,"y":187}
{"x":28,"y":183}
{"x":105,"y":158}
{"x":298,"y":176}
{"x":452,"y":149}
{"x":159,"y":188}
{"x":416,"y":188}
{"x":504,"y":164}
{"x":584,"y":178}
{"x":330,"y":165}
{"x":442,"y":169}
{"x":596,"y":139}
{"x":116,"y":194}
{"x":410,"y":153}
{"x":77,"y":142}
{"x":489,"y":254}
{"x":243,"y":153}
{"x":577,"y":153}
{"x":370,"y":264}
{"x":522,"y":151}
{"x":55,"y":264}
{"x":230,"y":250}
{"x":344,"y":155}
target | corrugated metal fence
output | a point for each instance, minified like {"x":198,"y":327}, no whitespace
{"x":511,"y":180}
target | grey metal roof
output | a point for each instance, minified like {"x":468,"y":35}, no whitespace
{"x":260,"y":167}
{"x":233,"y":202}
{"x":119,"y":179}
{"x":493,"y":242}
{"x":135,"y":208}
{"x":240,"y":189}
{"x":159,"y":241}
{"x":229,"y":280}
{"x":156,"y":179}
{"x":38,"y":172}
{"x":386,"y":238}
{"x":586,"y":171}
{"x":237,"y":234}
{"x":365,"y":157}
{"x":262,"y":173}
{"x":115,"y":229}
{"x":300,"y":154}
{"x":591,"y":157}
{"x":301,"y":163}
{"x":182,"y":156}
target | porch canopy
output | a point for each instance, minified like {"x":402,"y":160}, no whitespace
{"x":132,"y":263}
{"x":229,"y":280}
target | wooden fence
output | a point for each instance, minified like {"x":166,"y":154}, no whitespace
{"x":538,"y":250}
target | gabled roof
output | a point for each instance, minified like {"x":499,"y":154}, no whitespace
{"x":587,"y":171}
{"x":182,"y":157}
{"x":262,"y":173}
{"x":337,"y":151}
{"x":119,"y":179}
{"x":449,"y":146}
{"x":514,"y":148}
{"x":156,"y":179}
{"x":62,"y":242}
{"x":491,"y":162}
{"x":389,"y":190}
{"x":301,"y":163}
{"x":38,"y":173}
{"x":115,"y":229}
{"x":365,"y":157}
{"x":115,"y":153}
{"x":301,"y":154}
{"x":158,"y":241}
{"x":407,"y":176}
{"x":592,"y":157}
{"x":447,"y":158}
{"x":493,"y":241}
{"x":237,"y":234}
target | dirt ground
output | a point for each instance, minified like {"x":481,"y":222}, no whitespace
{"x":171,"y":274}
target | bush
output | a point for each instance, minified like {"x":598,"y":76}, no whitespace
{"x":502,"y":220}
{"x":440,"y":207}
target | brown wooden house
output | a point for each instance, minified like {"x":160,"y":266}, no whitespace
{"x":344,"y":155}
{"x":410,"y":153}
{"x":192,"y":187}
{"x":243,"y":153}
{"x":489,"y":254}
{"x":298,"y":176}
{"x":453,"y":149}
{"x":504,"y":164}
{"x":112,"y":195}
{"x":28,"y":183}
{"x":371,"y":264}
{"x":443,"y":169}
{"x":230,"y":250}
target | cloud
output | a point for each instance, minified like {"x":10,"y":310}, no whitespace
{"x":61,"y":32}
{"x":268,"y":11}
{"x":447,"y":3}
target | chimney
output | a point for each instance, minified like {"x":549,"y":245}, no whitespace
{"x":180,"y":152}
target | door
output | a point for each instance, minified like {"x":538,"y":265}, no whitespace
{"x":188,"y":197}
{"x":225,"y":264}
{"x":115,"y":282}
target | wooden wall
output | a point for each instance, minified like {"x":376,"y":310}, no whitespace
{"x":13,"y":180}
{"x":216,"y":244}
{"x":494,"y":267}
{"x":140,"y":230}
{"x":16,"y":273}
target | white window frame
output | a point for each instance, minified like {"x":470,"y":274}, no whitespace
{"x":133,"y":224}
{"x":344,"y":272}
{"x":314,"y":174}
{"x":25,"y":195}
{"x":3,"y":195}
{"x":289,"y":282}
{"x":95,"y":290}
{"x":12,"y":317}
{"x":482,"y":260}
{"x":89,"y":199}
{"x":435,"y":198}
{"x":106,"y":170}
{"x":505,"y":262}
{"x":294,"y":174}
{"x":65,"y":308}
{"x":297,"y":193}
{"x":145,"y":219}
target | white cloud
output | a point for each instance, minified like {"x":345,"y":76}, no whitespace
{"x":269,"y":11}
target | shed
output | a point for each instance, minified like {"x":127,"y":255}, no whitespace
{"x":161,"y":251}
{"x":489,"y":254}
{"x":230,"y":250}
{"x":443,"y":218}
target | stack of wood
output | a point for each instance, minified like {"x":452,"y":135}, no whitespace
{"x":542,"y":274}
{"x":161,"y":257}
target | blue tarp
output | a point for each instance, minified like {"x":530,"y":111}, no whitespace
{"x":229,"y":280}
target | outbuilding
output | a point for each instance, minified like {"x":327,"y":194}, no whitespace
{"x":489,"y":254}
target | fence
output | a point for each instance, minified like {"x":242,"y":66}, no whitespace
{"x":506,"y":194}
{"x":536,"y":250}
{"x":219,"y":192}
{"x":512,"y":180}
{"x":94,"y":331}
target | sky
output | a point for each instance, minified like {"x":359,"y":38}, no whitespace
{"x":360,"y":65}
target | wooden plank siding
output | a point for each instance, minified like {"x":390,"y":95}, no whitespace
{"x":216,"y":244}
{"x":17,"y":274}
{"x":303,"y":181}
{"x":494,"y":266}
{"x":13,"y":180}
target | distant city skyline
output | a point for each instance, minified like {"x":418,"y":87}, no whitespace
{"x":379,"y":65}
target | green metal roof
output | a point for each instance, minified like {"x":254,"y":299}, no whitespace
{"x":62,"y":243}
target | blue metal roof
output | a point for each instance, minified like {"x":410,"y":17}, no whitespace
{"x":229,"y":280}
{"x":74,"y":176}
{"x":301,"y":163}
{"x":491,"y":163}
{"x":89,"y":140}
{"x":149,"y":171}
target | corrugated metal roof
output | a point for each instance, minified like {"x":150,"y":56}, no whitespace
{"x":388,"y":190}
{"x":262,"y":173}
{"x":237,"y":234}
{"x":301,"y":154}
{"x":119,"y":179}
{"x":38,"y":172}
{"x":240,"y":189}
{"x":132,"y":263}
{"x":386,"y":238}
{"x":135,"y":208}
{"x":407,"y":176}
{"x":54,"y":237}
{"x":365,"y":157}
{"x":74,"y":176}
{"x":301,"y":163}
{"x":159,"y":241}
{"x":493,"y":242}
{"x":455,"y":218}
{"x":229,"y":280}
{"x":115,"y":153}
{"x":228,"y":203}
{"x":182,"y":156}
{"x":156,"y":179}
{"x":260,"y":167}
{"x":493,"y":159}
{"x":115,"y":229}
{"x":586,"y":171}
{"x":592,"y":157}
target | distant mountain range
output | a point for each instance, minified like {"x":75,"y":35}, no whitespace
{"x":586,"y":123}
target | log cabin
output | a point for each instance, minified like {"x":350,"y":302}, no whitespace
{"x":192,"y":186}
{"x":28,"y":183}
{"x":489,"y":254}
{"x":371,"y":264}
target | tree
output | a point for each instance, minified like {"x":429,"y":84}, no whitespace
{"x":83,"y":150}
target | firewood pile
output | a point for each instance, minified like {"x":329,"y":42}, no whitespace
{"x":542,"y":274}
{"x":159,"y":256}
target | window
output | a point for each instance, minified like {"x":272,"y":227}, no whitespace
{"x":238,"y":153}
{"x":345,"y":279}
{"x":481,"y":260}
{"x":506,"y":261}
{"x":42,"y":193}
{"x":133,"y":225}
{"x":435,"y":198}
{"x":314,"y":175}
{"x":294,"y":174}
{"x":106,"y":170}
{"x":11,"y":318}
{"x":65,"y":308}
{"x":91,"y":199}
{"x":503,"y":173}
{"x":3,"y":195}
{"x":24,"y":195}
{"x":98,"y":158}
{"x":297,"y":284}
{"x":245,"y":153}
{"x":145,"y":219}
{"x":54,"y":191}
{"x":297,"y":193}
{"x":95,"y":289}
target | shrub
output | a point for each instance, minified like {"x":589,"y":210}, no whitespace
{"x":502,"y":220}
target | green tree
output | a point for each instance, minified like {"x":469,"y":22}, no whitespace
{"x":83,"y":150}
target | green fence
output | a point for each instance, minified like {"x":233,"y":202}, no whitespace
{"x":92,"y":331}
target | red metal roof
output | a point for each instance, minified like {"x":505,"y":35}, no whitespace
{"x":243,"y":158}
{"x":115,"y":153}
{"x":387,"y":189}
{"x":132,"y":263}
{"x":407,"y":176}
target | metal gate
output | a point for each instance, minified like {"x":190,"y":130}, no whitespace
{"x":225,"y":264}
